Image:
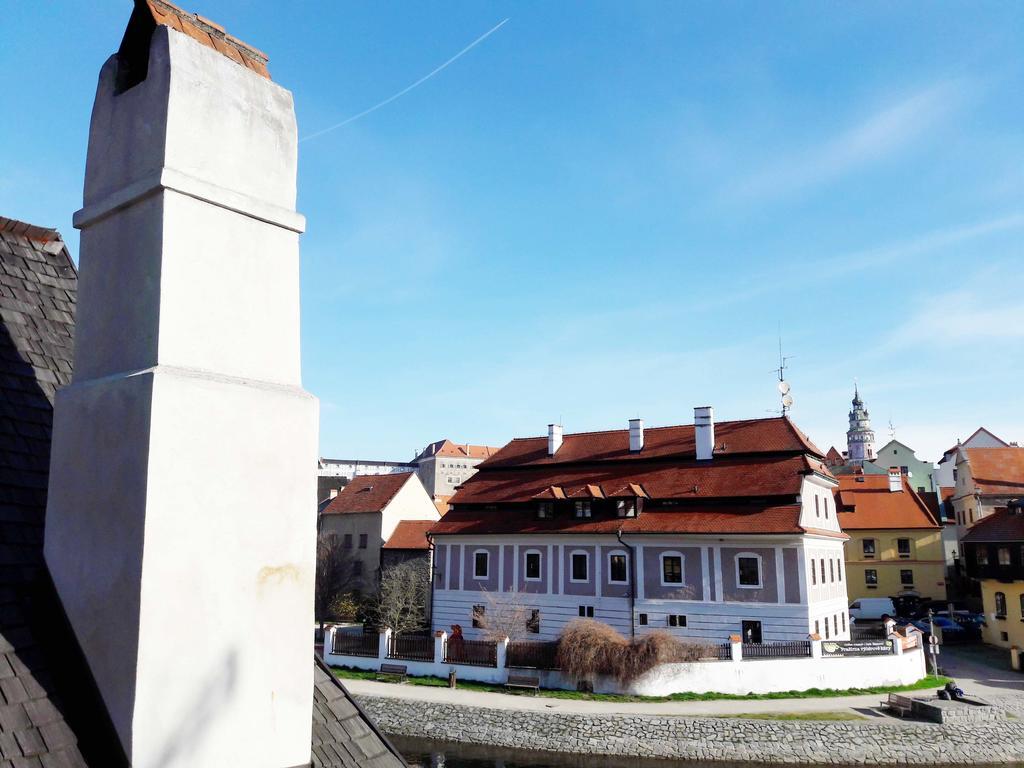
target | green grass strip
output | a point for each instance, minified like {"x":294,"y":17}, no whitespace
{"x":930,"y":681}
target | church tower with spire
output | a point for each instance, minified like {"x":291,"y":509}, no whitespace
{"x":860,"y":438}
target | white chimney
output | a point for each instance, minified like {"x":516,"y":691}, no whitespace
{"x":554,"y":438}
{"x":636,"y":435}
{"x":192,"y":601}
{"x":895,"y":480}
{"x":704,"y":431}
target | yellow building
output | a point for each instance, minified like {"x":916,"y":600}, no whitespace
{"x":994,"y":554}
{"x":895,"y":545}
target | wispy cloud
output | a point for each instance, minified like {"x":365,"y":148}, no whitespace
{"x":878,"y":136}
{"x":959,"y":317}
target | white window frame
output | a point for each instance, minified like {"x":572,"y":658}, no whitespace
{"x":612,"y":554}
{"x":760,"y":570}
{"x":540,"y":565}
{"x":572,"y":577}
{"x":682,"y":569}
{"x":482,"y":552}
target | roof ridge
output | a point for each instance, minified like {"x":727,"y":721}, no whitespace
{"x":647,"y":429}
{"x":31,"y":231}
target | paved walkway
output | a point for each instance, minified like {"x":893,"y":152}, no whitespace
{"x":977,"y":669}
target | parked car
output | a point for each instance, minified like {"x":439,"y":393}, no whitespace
{"x":872,"y":608}
{"x":907,"y":605}
{"x":938,"y":606}
{"x":966,"y":619}
{"x":951,"y":631}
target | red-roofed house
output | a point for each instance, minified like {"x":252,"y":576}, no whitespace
{"x":368,"y":511}
{"x":986,"y":480}
{"x":704,"y":530}
{"x":443,"y":466}
{"x":895,"y":545}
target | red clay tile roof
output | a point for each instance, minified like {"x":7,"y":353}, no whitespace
{"x":866,"y":503}
{"x":208,"y":33}
{"x":1004,"y":525}
{"x":997,"y":470}
{"x":367,"y":493}
{"x":731,"y":438}
{"x":701,"y":519}
{"x":410,"y":534}
{"x":454,"y":450}
{"x":721,"y":478}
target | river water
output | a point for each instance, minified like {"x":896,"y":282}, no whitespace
{"x":424,"y":753}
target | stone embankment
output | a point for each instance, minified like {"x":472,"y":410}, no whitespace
{"x":706,"y":739}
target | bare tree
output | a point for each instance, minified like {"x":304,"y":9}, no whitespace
{"x":335,"y":569}
{"x":401,"y":602}
{"x":504,"y":616}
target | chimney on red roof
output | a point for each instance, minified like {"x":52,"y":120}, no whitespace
{"x":895,"y":480}
{"x":704,"y":431}
{"x":636,"y":435}
{"x":554,"y":438}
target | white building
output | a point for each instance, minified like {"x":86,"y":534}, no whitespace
{"x":860,"y":438}
{"x":705,"y":531}
{"x":443,"y":466}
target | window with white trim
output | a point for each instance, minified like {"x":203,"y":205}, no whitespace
{"x":531,"y":565}
{"x":580,"y":567}
{"x":671,"y":569}
{"x":481,"y":563}
{"x":617,"y":567}
{"x":587,"y":611}
{"x":625,"y":508}
{"x":676,"y":620}
{"x":748,"y":570}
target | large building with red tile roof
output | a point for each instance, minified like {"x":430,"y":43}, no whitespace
{"x":895,"y":545}
{"x":987,"y":479}
{"x":444,"y":465}
{"x":703,"y":530}
{"x":366,"y":514}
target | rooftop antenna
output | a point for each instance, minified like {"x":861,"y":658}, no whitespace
{"x":892,"y":430}
{"x":783,"y":385}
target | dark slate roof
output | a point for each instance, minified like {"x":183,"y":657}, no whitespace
{"x":58,"y":720}
{"x":343,"y":736}
{"x":38,"y":284}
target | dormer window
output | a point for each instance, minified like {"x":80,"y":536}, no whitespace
{"x":545,"y":510}
{"x":583,"y":509}
{"x":625,"y":508}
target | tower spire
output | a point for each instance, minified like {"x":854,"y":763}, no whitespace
{"x":860,"y":439}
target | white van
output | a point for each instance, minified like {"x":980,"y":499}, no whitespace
{"x":872,"y":608}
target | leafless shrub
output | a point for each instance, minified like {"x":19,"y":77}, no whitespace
{"x":506,"y":616}
{"x":333,"y":578}
{"x":588,"y":648}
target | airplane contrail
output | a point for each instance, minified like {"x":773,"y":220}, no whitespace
{"x":408,"y":88}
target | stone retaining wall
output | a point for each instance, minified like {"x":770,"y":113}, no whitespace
{"x":705,"y":739}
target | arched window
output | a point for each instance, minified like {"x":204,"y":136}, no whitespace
{"x":1000,"y":605}
{"x":672,"y":569}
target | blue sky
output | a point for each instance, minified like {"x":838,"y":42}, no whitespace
{"x":609,"y":209}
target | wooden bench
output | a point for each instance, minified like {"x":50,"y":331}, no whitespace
{"x":901,"y":705}
{"x":393,"y":671}
{"x":523,"y":681}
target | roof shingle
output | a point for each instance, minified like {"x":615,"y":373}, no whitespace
{"x":367,"y":493}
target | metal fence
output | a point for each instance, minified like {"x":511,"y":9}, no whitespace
{"x":411,"y":647}
{"x":356,"y":644}
{"x":720,"y":651}
{"x":795,"y":649}
{"x":532,"y":655}
{"x":476,"y":653}
{"x":836,"y":648}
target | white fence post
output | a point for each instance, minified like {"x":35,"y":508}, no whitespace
{"x":897,"y":644}
{"x":383,"y":643}
{"x":736,"y":646}
{"x":815,"y":646}
{"x":440,"y":638}
{"x":501,"y":652}
{"x":328,"y":642}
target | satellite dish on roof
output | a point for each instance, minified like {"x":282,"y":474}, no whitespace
{"x":783,"y":387}
{"x":787,"y":401}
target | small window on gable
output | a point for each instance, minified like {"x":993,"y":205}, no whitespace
{"x":583,"y":509}
{"x":625,"y":508}
{"x":545,"y":510}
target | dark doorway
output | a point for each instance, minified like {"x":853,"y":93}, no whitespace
{"x":751,"y":631}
